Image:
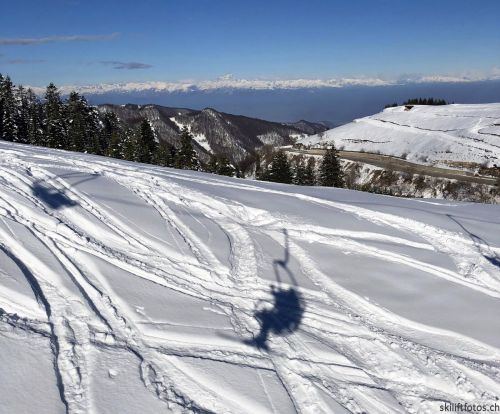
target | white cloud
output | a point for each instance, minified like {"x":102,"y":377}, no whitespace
{"x":25,"y":41}
{"x":126,"y":65}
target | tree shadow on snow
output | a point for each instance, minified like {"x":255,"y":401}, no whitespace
{"x":478,"y":241}
{"x":285,"y":315}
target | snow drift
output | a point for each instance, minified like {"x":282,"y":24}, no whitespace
{"x":423,"y":134}
{"x":130,"y":288}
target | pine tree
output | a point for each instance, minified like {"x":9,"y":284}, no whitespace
{"x":330,"y":171}
{"x":224,"y":167}
{"x":8,"y":108}
{"x":92,"y":143}
{"x":54,"y":128}
{"x":35,"y":117}
{"x":258,"y":167}
{"x":299,"y":171}
{"x":114,"y":148}
{"x":186,"y":156}
{"x":172,"y":156}
{"x":146,"y":143}
{"x":425,"y":101}
{"x":76,"y":121}
{"x":280,"y":171}
{"x":392,"y":105}
{"x":310,"y":173}
{"x":129,"y":146}
{"x":22,"y":115}
{"x":212,"y":164}
{"x":110,"y":131}
{"x":93,"y":129}
{"x":165,"y":155}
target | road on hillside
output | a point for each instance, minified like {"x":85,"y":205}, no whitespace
{"x":398,"y":164}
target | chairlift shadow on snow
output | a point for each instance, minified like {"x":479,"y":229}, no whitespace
{"x":288,"y":306}
{"x":478,"y":241}
{"x":53,"y":197}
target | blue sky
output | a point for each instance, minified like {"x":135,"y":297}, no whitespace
{"x":150,"y":40}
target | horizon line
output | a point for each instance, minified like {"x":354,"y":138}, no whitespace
{"x":229,"y":82}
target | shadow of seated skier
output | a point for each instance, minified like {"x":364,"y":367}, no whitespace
{"x":284,"y":317}
{"x":288,"y":307}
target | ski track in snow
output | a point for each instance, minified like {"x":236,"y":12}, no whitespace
{"x":348,"y":349}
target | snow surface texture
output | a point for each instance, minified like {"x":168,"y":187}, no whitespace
{"x":129,"y":288}
{"x":423,"y":134}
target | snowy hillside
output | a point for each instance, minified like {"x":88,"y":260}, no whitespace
{"x":424,"y":134}
{"x":127,"y":288}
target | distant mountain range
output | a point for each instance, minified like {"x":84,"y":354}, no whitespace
{"x":336,"y":105}
{"x":234,"y":136}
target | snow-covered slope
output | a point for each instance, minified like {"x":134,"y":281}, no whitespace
{"x":127,"y":288}
{"x":424,"y":134}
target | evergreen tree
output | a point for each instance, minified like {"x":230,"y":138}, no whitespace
{"x":212,"y":164}
{"x":35,"y":127}
{"x":224,"y":167}
{"x":54,"y":128}
{"x":114,"y":148}
{"x":264,"y":174}
{"x":425,"y":101}
{"x":186,"y":156}
{"x":310,"y":173}
{"x":172,"y":157}
{"x":110,"y":131}
{"x":22,"y":115}
{"x":245,"y":165}
{"x":146,"y":143}
{"x":330,"y":171}
{"x":83,"y":126}
{"x":165,"y":155}
{"x":280,"y":171}
{"x":258,"y":167}
{"x":129,"y":145}
{"x":76,"y":121}
{"x":299,"y":171}
{"x":8,"y":109}
{"x":93,"y":129}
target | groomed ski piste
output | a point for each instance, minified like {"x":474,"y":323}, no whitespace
{"x":129,"y":288}
{"x":423,"y":134}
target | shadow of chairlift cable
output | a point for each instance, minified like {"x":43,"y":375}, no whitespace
{"x":480,"y":244}
{"x":285,"y":315}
